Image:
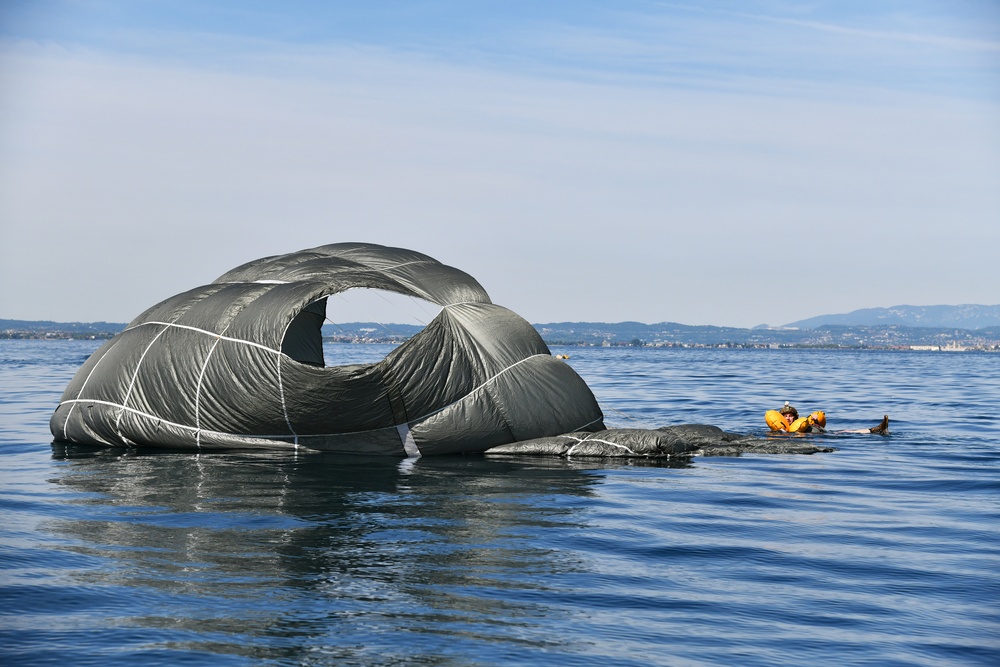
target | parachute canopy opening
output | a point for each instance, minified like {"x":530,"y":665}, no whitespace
{"x":303,"y":340}
{"x":380,"y":318}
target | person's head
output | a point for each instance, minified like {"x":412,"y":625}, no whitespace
{"x":789,"y":413}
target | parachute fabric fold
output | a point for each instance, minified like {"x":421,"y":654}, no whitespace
{"x":238,"y":363}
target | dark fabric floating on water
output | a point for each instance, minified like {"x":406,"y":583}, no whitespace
{"x":667,"y":442}
{"x":239,"y":363}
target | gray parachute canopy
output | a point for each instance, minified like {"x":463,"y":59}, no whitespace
{"x":239,"y":363}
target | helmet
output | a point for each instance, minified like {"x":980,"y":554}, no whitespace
{"x":787,"y":409}
{"x":818,"y":417}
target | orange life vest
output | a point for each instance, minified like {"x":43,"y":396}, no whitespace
{"x":777,"y":421}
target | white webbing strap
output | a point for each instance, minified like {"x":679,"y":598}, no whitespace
{"x":407,"y":439}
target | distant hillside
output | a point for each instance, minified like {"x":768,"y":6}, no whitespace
{"x":596,"y":333}
{"x":966,"y":316}
{"x":663,"y":334}
{"x":370,"y":331}
{"x":668,"y":334}
{"x":46,"y":325}
{"x":47,"y":329}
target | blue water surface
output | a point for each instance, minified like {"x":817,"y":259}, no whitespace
{"x":884,"y":552}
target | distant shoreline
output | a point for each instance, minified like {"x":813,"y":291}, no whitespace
{"x":621,"y":334}
{"x":671,"y":346}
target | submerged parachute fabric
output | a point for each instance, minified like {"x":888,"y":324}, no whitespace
{"x":678,"y":442}
{"x":238,"y":363}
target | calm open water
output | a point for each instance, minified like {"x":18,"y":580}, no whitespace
{"x":883,"y":553}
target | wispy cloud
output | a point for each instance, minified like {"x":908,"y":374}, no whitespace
{"x":708,"y":46}
{"x":526,"y":164}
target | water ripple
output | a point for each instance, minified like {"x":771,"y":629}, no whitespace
{"x":884,"y":552}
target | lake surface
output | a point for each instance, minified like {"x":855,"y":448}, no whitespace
{"x":885,"y":552}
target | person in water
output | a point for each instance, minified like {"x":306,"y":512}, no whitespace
{"x":787,"y":419}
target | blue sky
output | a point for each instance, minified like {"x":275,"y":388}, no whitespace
{"x":730,"y":163}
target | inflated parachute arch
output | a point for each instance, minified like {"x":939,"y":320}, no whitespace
{"x":239,"y":363}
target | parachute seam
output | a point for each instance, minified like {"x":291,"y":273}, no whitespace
{"x":592,"y":421}
{"x":80,"y":393}
{"x":580,"y":441}
{"x":210,"y":431}
{"x":284,"y":406}
{"x":208,"y":333}
{"x":131,"y":385}
{"x":197,"y":392}
{"x":481,"y":386}
{"x":395,"y":266}
{"x":281,"y":385}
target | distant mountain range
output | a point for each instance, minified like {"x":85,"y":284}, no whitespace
{"x":966,"y":316}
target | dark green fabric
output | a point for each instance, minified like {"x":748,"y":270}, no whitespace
{"x":238,"y":363}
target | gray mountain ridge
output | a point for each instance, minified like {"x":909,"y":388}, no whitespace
{"x":964,"y":316}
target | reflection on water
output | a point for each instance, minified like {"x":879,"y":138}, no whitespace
{"x":349,"y":549}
